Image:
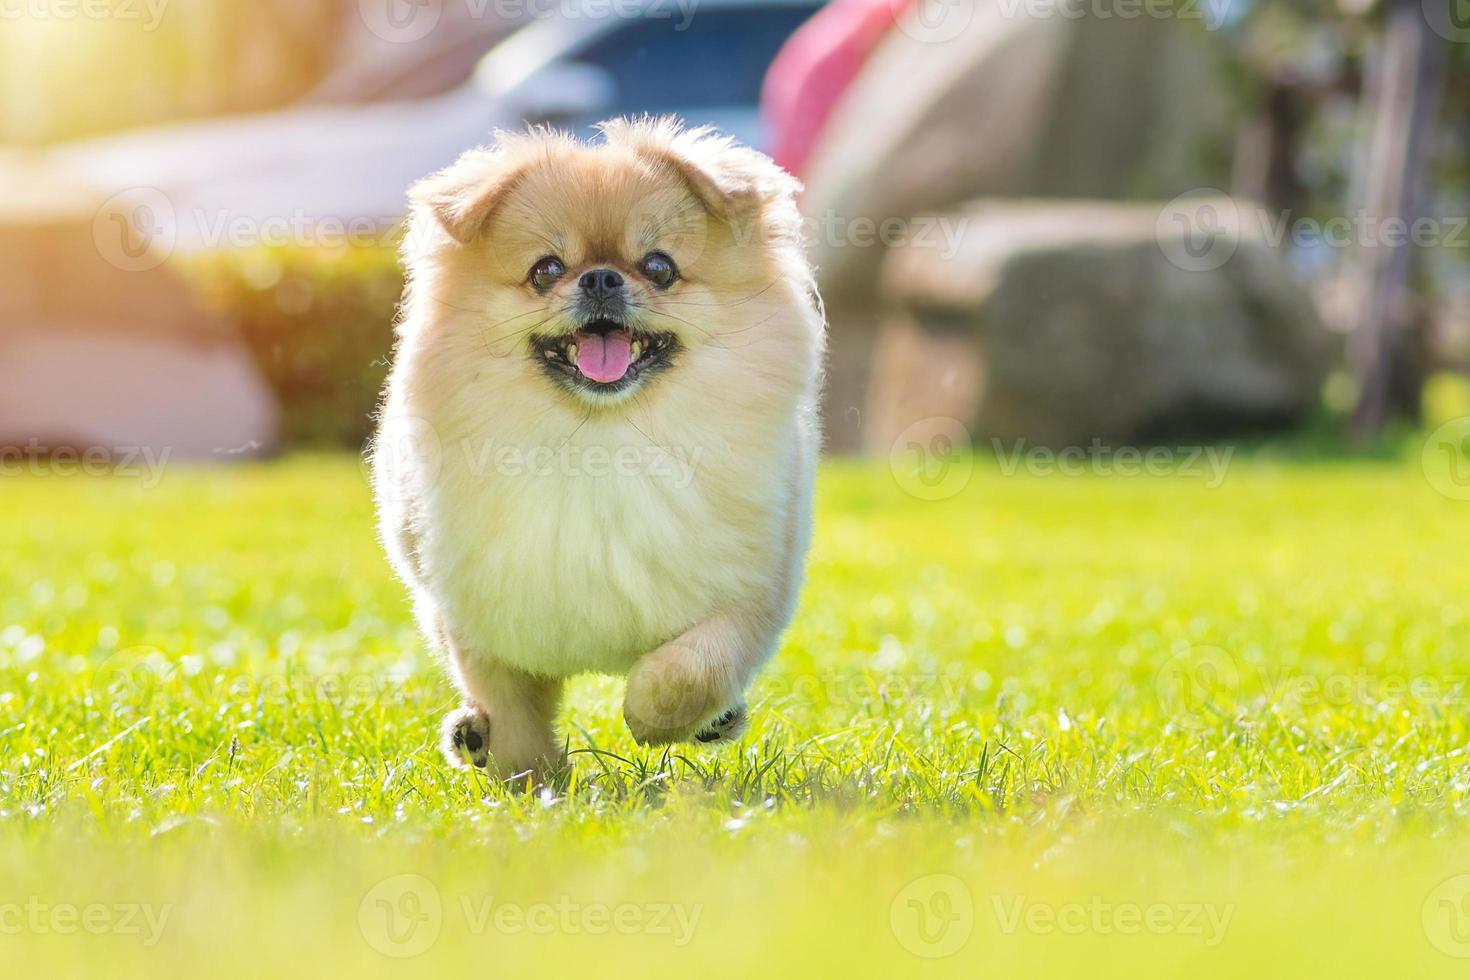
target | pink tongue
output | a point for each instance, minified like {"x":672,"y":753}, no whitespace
{"x":604,"y":357}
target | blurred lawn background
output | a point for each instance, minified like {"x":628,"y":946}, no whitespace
{"x":1052,"y":689}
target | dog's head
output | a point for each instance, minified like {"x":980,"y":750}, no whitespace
{"x":600,"y":269}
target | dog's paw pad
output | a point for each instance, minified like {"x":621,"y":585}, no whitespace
{"x":466,"y":737}
{"x":726,"y":728}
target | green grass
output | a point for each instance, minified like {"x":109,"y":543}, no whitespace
{"x":1135,"y":725}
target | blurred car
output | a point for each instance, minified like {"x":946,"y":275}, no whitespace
{"x":345,"y":156}
{"x":92,"y":302}
{"x":370,"y":67}
{"x":706,"y":66}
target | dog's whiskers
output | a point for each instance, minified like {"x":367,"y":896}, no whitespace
{"x":736,"y":302}
{"x":712,"y":338}
{"x":571,"y":435}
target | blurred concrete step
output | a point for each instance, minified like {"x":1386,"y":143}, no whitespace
{"x":94,"y":387}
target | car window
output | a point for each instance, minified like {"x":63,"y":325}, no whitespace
{"x":716,"y":57}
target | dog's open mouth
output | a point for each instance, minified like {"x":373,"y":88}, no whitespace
{"x":604,"y":355}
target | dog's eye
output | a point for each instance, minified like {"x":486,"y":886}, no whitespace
{"x":546,"y":272}
{"x":659,"y":269}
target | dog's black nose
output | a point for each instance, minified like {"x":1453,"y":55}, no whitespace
{"x":600,"y":282}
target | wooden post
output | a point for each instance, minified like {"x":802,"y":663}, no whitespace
{"x":1404,"y":100}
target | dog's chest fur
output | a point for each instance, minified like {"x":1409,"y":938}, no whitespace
{"x":585,"y":556}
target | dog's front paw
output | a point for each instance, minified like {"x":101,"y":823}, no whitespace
{"x":726,"y":728}
{"x":671,"y":696}
{"x":466,"y":737}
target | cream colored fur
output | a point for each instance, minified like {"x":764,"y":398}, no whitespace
{"x":543,"y":532}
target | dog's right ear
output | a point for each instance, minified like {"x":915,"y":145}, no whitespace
{"x":464,"y":195}
{"x":733,"y":182}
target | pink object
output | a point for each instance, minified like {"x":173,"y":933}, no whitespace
{"x":604,"y":357}
{"x":815,"y":67}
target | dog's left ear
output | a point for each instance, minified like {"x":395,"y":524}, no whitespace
{"x":733,"y":182}
{"x":464,"y":195}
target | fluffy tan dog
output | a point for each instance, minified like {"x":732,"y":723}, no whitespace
{"x":597,"y":443}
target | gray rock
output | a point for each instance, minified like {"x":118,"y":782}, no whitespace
{"x":1020,"y":102}
{"x":1062,"y":322}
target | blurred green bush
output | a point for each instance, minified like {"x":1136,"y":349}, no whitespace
{"x":320,"y":324}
